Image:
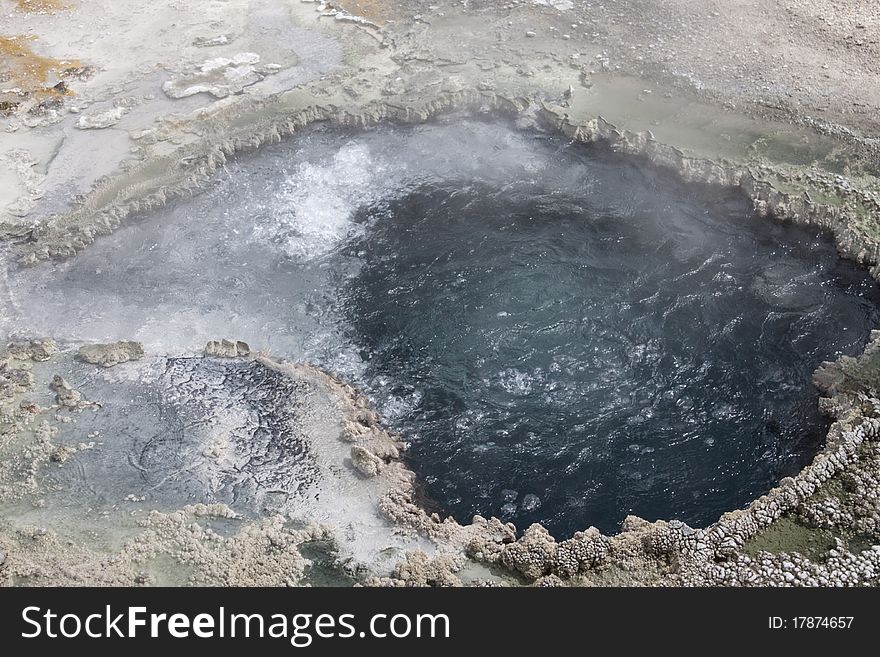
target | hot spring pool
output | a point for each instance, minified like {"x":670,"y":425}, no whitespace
{"x":562,"y":334}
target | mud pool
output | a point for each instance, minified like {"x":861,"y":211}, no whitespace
{"x":561,"y":334}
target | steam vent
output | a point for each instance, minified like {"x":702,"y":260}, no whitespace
{"x":439,"y":294}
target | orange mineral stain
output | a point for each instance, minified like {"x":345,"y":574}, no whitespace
{"x":375,"y":11}
{"x":25,"y":74}
{"x":41,"y":6}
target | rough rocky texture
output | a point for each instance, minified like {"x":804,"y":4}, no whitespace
{"x":100,"y":120}
{"x":580,"y":553}
{"x":67,"y":397}
{"x":849,"y":375}
{"x":14,"y":380}
{"x":108,"y":355}
{"x":418,"y":569}
{"x":37,"y":350}
{"x":533,"y":554}
{"x":367,"y":463}
{"x":227,"y":349}
{"x":219,"y":77}
{"x":25,"y":434}
{"x":264,"y":552}
{"x":489,"y":539}
{"x":260,"y":433}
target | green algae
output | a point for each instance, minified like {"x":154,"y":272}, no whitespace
{"x":787,"y":535}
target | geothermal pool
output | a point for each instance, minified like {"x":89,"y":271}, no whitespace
{"x":561,"y":334}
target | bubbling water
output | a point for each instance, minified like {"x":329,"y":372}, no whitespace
{"x":571,"y":358}
{"x":561,"y":334}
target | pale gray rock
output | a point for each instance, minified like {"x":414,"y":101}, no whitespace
{"x":108,"y":355}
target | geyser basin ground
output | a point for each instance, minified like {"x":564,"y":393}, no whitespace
{"x":562,"y":335}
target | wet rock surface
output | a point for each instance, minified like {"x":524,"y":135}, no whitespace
{"x":112,"y":354}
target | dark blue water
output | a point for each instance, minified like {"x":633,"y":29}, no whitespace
{"x":638,"y":346}
{"x":562,"y":335}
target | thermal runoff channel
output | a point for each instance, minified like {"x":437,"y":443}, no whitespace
{"x":561,"y":334}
